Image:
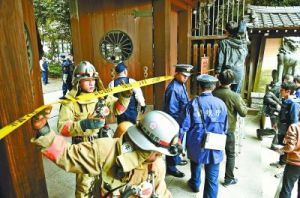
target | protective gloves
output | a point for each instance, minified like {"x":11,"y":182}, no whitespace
{"x":92,"y":123}
{"x":143,"y":109}
{"x":40,"y":122}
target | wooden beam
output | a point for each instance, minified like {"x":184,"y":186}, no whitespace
{"x":184,"y":43}
{"x":179,"y":5}
{"x":200,"y":38}
{"x":259,"y":63}
{"x":21,"y":168}
{"x":251,"y":66}
{"x":184,"y":32}
{"x":161,"y":20}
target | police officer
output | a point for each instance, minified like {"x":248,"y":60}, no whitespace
{"x":176,"y":97}
{"x":66,"y":68}
{"x":44,"y":69}
{"x":82,"y":120}
{"x":129,"y":165}
{"x":204,"y":113}
{"x":137,"y":97}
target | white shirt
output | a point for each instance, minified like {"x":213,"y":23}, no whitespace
{"x":138,"y":91}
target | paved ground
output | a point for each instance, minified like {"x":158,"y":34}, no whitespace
{"x":255,"y":176}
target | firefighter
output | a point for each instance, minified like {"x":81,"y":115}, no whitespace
{"x":82,"y":120}
{"x":129,"y":165}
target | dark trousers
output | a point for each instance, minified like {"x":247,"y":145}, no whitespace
{"x":172,"y":161}
{"x":230,"y":156}
{"x":290,"y":175}
{"x":130,"y":116}
{"x":64,"y":88}
{"x":211,"y":185}
{"x":282,"y":158}
{"x":45,"y":77}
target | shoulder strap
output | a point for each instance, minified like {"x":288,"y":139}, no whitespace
{"x":201,"y":113}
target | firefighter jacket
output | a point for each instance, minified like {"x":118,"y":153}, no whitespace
{"x":72,"y":113}
{"x":117,"y":162}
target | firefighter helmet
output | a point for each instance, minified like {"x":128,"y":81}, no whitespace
{"x":122,"y":128}
{"x":84,"y":70}
{"x":156,"y":131}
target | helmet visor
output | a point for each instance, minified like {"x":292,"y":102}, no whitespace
{"x":151,"y":143}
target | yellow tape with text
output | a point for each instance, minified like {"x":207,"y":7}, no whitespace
{"x":16,"y":124}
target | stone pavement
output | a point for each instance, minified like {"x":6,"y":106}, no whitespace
{"x":255,"y":176}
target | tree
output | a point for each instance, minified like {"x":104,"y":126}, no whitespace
{"x":53,"y":20}
{"x":276,"y":2}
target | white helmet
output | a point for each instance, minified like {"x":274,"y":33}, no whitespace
{"x":84,"y":70}
{"x":157,"y":131}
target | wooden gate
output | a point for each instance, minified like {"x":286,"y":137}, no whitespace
{"x":208,"y":25}
{"x":204,"y":54}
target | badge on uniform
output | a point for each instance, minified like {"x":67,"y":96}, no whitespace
{"x":126,"y":147}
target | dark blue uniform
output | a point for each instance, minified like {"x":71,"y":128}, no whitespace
{"x":215,"y":118}
{"x":66,"y":68}
{"x":45,"y":72}
{"x":176,"y":98}
{"x":131,"y":113}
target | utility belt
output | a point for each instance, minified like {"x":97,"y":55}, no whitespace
{"x":78,"y":139}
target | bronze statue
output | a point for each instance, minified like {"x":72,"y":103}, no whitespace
{"x":289,"y":57}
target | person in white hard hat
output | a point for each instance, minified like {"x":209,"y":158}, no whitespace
{"x":82,"y":120}
{"x":129,"y":165}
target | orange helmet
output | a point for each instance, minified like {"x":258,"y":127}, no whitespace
{"x":122,"y":128}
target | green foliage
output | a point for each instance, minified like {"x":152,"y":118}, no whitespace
{"x":54,"y":70}
{"x":53,"y":20}
{"x":275,"y":2}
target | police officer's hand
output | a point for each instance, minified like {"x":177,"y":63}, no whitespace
{"x":65,"y":77}
{"x":217,"y":74}
{"x":127,"y":93}
{"x":91,"y":123}
{"x":39,"y":121}
{"x":143,"y":109}
{"x":275,"y":126}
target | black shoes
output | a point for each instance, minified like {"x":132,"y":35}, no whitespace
{"x":62,"y":98}
{"x":277,"y":164}
{"x":278,"y":175}
{"x":183,"y":163}
{"x":176,"y":173}
{"x":230,"y":182}
{"x":194,"y":189}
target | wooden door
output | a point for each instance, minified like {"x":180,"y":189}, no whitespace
{"x":21,"y":169}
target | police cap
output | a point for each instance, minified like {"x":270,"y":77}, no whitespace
{"x":184,"y":69}
{"x":205,"y":78}
{"x":120,"y":67}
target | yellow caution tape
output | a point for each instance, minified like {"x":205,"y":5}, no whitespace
{"x":17,"y":123}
